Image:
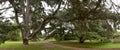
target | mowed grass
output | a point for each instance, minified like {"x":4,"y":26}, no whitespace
{"x":88,"y":44}
{"x":41,"y":45}
{"x":31,"y":46}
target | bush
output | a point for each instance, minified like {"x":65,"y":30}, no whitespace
{"x":14,"y":36}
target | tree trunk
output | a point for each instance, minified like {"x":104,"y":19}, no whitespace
{"x":25,"y":41}
{"x":26,"y":23}
{"x":81,"y":40}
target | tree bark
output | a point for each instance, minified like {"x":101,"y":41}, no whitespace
{"x":25,"y":41}
{"x":81,"y":40}
{"x":26,"y":23}
{"x":24,"y":30}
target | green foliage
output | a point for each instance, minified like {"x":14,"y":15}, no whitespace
{"x":105,"y":40}
{"x":94,"y":30}
{"x":60,"y":31}
{"x":3,"y":38}
{"x":58,"y":37}
{"x":6,"y":29}
{"x":14,"y":35}
{"x":70,"y":36}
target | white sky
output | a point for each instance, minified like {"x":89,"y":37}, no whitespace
{"x":117,"y":2}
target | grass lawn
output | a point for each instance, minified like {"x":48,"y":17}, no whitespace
{"x":42,"y":45}
{"x":88,"y":45}
{"x":31,"y":46}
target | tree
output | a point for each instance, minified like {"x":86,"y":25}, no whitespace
{"x":27,"y":13}
{"x":93,"y":30}
{"x":35,"y":17}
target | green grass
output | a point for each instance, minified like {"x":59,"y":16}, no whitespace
{"x":31,"y":46}
{"x":40,"y":45}
{"x":88,"y":45}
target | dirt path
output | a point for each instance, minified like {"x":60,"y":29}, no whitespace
{"x":74,"y":48}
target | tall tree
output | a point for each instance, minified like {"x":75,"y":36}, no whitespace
{"x":33,"y":13}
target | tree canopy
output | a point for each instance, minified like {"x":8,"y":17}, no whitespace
{"x":86,"y":17}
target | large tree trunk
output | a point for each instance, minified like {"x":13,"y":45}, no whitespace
{"x":26,"y":23}
{"x":81,"y":40}
{"x":25,"y":41}
{"x":23,"y":31}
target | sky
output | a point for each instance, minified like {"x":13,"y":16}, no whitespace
{"x":117,"y":2}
